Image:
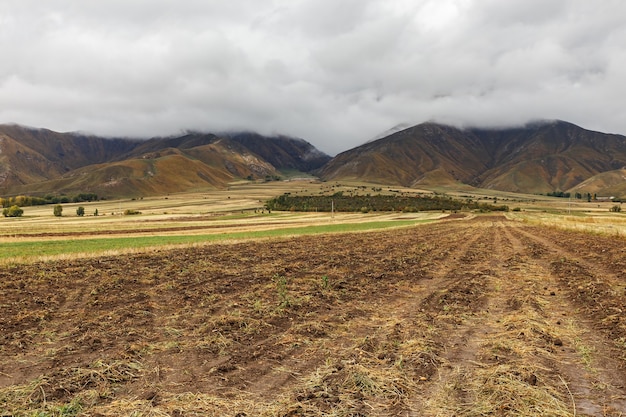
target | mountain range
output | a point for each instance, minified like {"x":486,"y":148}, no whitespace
{"x":40,"y":161}
{"x":539,"y":157}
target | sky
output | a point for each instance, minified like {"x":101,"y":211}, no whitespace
{"x":336,"y":73}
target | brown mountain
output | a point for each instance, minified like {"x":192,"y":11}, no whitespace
{"x":32,"y":155}
{"x":537,"y":158}
{"x":39,"y":161}
{"x":281,"y":151}
{"x":610,"y":183}
{"x":167,"y":171}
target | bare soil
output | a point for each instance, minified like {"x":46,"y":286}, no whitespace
{"x":469,"y":317}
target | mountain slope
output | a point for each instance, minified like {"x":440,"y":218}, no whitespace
{"x":166,"y":171}
{"x":32,"y":155}
{"x":611,"y":183}
{"x":69,"y":150}
{"x":283,"y":152}
{"x":537,"y":158}
{"x":41,"y":161}
{"x":21,"y":165}
{"x":421,"y":154}
{"x":557,"y":155}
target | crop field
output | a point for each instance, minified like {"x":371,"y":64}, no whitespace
{"x":175,"y":220}
{"x":441,"y":315}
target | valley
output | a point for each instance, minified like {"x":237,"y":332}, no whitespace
{"x":312,"y":209}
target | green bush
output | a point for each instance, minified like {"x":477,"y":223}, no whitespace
{"x":13,"y":211}
{"x":58,"y":210}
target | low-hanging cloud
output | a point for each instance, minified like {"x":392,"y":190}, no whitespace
{"x":336,"y":73}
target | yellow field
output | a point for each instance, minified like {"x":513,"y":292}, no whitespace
{"x":241,"y":207}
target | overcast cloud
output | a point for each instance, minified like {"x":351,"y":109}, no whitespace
{"x":334,"y":72}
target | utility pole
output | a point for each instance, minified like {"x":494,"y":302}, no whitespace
{"x":569,"y":205}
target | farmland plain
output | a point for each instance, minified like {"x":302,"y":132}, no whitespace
{"x":437,"y":314}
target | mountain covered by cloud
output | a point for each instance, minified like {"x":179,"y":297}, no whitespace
{"x":41,"y":161}
{"x":540,"y":157}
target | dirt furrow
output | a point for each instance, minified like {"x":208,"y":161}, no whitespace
{"x":417,"y":261}
{"x":584,"y":357}
{"x":453,"y":312}
{"x":597,"y":288}
{"x":517,"y":342}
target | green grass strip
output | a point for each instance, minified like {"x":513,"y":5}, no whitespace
{"x":35,"y":249}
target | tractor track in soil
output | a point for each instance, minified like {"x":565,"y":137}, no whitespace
{"x":476,"y":317}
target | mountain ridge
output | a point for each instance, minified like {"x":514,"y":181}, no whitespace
{"x":539,"y":157}
{"x":40,"y":161}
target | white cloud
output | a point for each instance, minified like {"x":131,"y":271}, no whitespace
{"x":335,"y":72}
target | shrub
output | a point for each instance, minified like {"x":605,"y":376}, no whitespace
{"x":80,"y":211}
{"x":131,"y":212}
{"x":13,"y":211}
{"x":283,"y":294}
{"x":58,"y":210}
{"x":616,"y":208}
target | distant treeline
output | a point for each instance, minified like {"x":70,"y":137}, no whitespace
{"x":367,"y":203}
{"x":26,"y":201}
{"x":579,"y":196}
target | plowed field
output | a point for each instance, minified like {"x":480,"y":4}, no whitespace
{"x":462,"y":317}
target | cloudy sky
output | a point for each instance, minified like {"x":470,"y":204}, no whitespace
{"x":334,"y":72}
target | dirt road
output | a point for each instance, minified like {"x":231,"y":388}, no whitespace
{"x":462,"y":317}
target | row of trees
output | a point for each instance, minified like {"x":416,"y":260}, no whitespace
{"x":17,"y":211}
{"x":27,"y":201}
{"x":366,"y":203}
{"x":80,"y":211}
{"x":578,"y":196}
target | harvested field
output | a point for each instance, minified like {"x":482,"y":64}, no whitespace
{"x":464,"y":317}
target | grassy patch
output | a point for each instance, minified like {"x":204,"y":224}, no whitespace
{"x":46,"y":248}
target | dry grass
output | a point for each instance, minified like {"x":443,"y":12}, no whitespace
{"x":85,"y":387}
{"x":188,"y":218}
{"x":512,"y":374}
{"x":603,"y":224}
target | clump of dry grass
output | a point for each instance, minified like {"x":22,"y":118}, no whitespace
{"x":16,"y":399}
{"x":196,"y":405}
{"x":351,"y":386}
{"x":376,"y":376}
{"x":68,"y":391}
{"x":506,"y":389}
